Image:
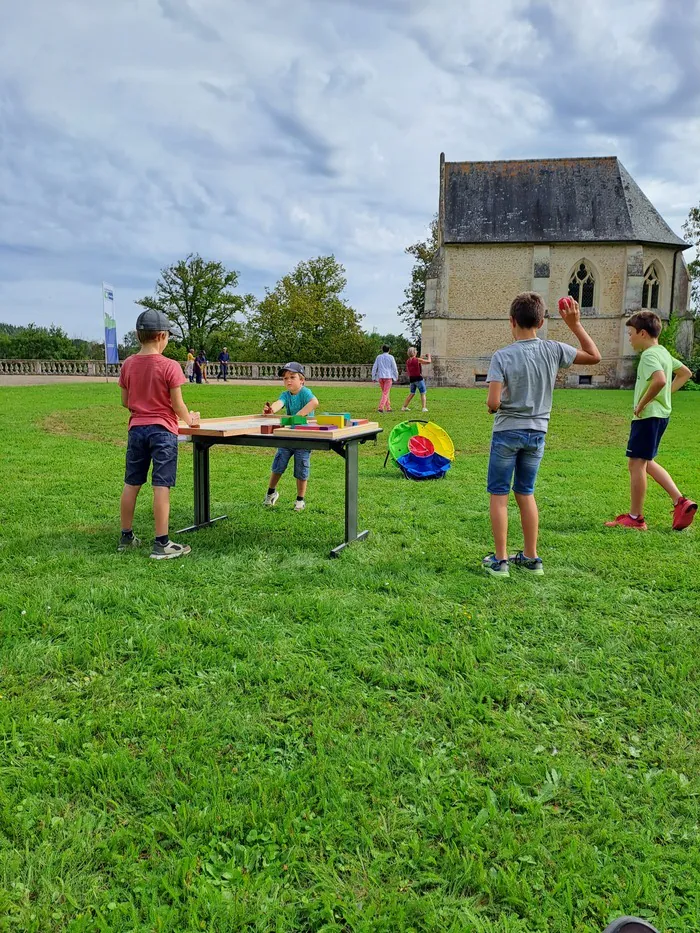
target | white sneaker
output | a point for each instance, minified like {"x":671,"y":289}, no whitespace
{"x":424,"y":409}
{"x":169,"y":551}
{"x":271,"y":498}
{"x":405,"y":409}
{"x":299,"y":505}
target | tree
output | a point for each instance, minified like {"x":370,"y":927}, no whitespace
{"x":691,"y":228}
{"x":40,"y":343}
{"x":129,"y":345}
{"x":398,"y":343}
{"x":198,"y":298}
{"x":306,"y":318}
{"x":423,"y":252}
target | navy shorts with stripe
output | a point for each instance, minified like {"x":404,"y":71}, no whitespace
{"x":645,"y":437}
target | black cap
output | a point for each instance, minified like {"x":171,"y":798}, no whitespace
{"x":291,"y":368}
{"x":154,"y":321}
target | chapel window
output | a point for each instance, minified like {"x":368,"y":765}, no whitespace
{"x":651,"y":288}
{"x":582,"y":285}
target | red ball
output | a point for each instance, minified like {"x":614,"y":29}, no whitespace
{"x":564,"y":303}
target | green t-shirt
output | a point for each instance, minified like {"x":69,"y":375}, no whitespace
{"x":294,"y":403}
{"x":651,"y":361}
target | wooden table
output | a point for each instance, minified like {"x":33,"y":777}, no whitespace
{"x":245,"y":431}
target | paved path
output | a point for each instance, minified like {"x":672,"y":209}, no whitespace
{"x":53,"y":380}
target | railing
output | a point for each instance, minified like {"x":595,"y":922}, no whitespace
{"x":317,"y":372}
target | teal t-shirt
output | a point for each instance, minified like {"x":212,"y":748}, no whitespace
{"x":655,"y":359}
{"x":294,"y":403}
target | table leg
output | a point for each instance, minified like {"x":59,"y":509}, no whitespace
{"x":202,"y":489}
{"x":351,"y":454}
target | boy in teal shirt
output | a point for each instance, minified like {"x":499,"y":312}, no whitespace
{"x":296,"y":400}
{"x":658,"y":375}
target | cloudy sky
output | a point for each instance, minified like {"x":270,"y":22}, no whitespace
{"x":264,"y":132}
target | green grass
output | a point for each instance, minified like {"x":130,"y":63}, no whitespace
{"x":258,"y":738}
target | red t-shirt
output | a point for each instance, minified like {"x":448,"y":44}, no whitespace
{"x":148,"y":379}
{"x":414,"y":369}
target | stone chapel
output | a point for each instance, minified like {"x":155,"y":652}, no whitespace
{"x":579,"y":227}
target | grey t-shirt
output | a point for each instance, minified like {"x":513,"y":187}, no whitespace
{"x":528,"y":369}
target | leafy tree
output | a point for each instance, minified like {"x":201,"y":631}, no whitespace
{"x":39,"y":343}
{"x":129,"y":345}
{"x":305,"y":317}
{"x":691,"y":228}
{"x":423,"y":252}
{"x":198,"y":297}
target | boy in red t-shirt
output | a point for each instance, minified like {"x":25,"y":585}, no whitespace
{"x":151,"y":390}
{"x":415,"y":375}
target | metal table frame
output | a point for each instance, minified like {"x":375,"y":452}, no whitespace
{"x":347,"y":448}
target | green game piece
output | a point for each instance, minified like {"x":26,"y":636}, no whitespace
{"x":291,"y":420}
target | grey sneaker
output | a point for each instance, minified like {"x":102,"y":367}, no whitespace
{"x":271,"y":498}
{"x":169,"y":551}
{"x":533,"y":565}
{"x":126,"y":542}
{"x":299,"y":505}
{"x":495,"y":567}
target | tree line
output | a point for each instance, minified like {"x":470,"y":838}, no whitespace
{"x":305,"y":316}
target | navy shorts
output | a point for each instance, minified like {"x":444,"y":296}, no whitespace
{"x":645,"y":437}
{"x":417,"y":385}
{"x":302,"y":462}
{"x":151,"y":443}
{"x":514,"y":454}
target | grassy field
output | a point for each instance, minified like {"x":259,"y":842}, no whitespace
{"x":258,"y":738}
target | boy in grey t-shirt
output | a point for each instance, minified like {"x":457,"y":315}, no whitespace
{"x":521,"y":381}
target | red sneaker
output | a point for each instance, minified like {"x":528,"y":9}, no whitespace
{"x":683,"y":513}
{"x":626,"y":521}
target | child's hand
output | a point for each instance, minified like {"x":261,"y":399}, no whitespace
{"x":267,"y":409}
{"x":194,"y":419}
{"x":570,"y":311}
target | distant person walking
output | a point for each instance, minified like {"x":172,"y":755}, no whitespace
{"x":223,"y":364}
{"x":200,"y":367}
{"x":189,"y":365}
{"x":385,"y":371}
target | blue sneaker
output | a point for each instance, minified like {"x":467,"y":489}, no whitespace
{"x":495,"y":567}
{"x":533,"y":565}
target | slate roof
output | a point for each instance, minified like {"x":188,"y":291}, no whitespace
{"x":548,"y":201}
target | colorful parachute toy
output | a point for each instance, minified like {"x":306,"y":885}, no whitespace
{"x":421,"y":449}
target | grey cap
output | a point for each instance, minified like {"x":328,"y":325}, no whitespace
{"x":291,"y":368}
{"x":154,"y":321}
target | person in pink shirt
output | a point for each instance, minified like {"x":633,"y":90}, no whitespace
{"x":151,"y":387}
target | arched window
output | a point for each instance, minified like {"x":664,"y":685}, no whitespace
{"x":651,"y":289}
{"x":582,"y":285}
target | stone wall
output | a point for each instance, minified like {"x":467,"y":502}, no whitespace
{"x":470,"y":288}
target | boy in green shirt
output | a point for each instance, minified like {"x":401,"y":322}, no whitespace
{"x":658,"y":375}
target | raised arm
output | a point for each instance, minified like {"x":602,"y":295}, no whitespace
{"x":426,"y":360}
{"x":589,"y":354}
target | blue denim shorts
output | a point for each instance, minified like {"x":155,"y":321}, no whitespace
{"x":302,"y":461}
{"x":151,"y":443}
{"x":418,"y":386}
{"x":514,"y":452}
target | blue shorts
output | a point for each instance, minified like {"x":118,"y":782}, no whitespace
{"x":514,"y":452}
{"x":151,"y":443}
{"x":645,"y":437}
{"x":418,"y":386}
{"x":302,"y":462}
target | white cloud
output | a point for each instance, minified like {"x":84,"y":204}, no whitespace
{"x":265,"y":133}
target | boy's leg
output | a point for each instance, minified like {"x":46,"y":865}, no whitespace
{"x":663,"y":478}
{"x":409,"y":399}
{"x":301,"y":488}
{"x":424,"y":401}
{"x":504,"y":448}
{"x":530,"y":520}
{"x":498,"y":510}
{"x":161,"y":510}
{"x":127,"y":506}
{"x":302,"y":467}
{"x":274,"y":479}
{"x":638,"y":485}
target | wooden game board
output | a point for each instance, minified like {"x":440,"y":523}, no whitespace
{"x":251,"y":424}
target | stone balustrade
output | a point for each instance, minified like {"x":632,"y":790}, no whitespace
{"x":316,"y":372}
